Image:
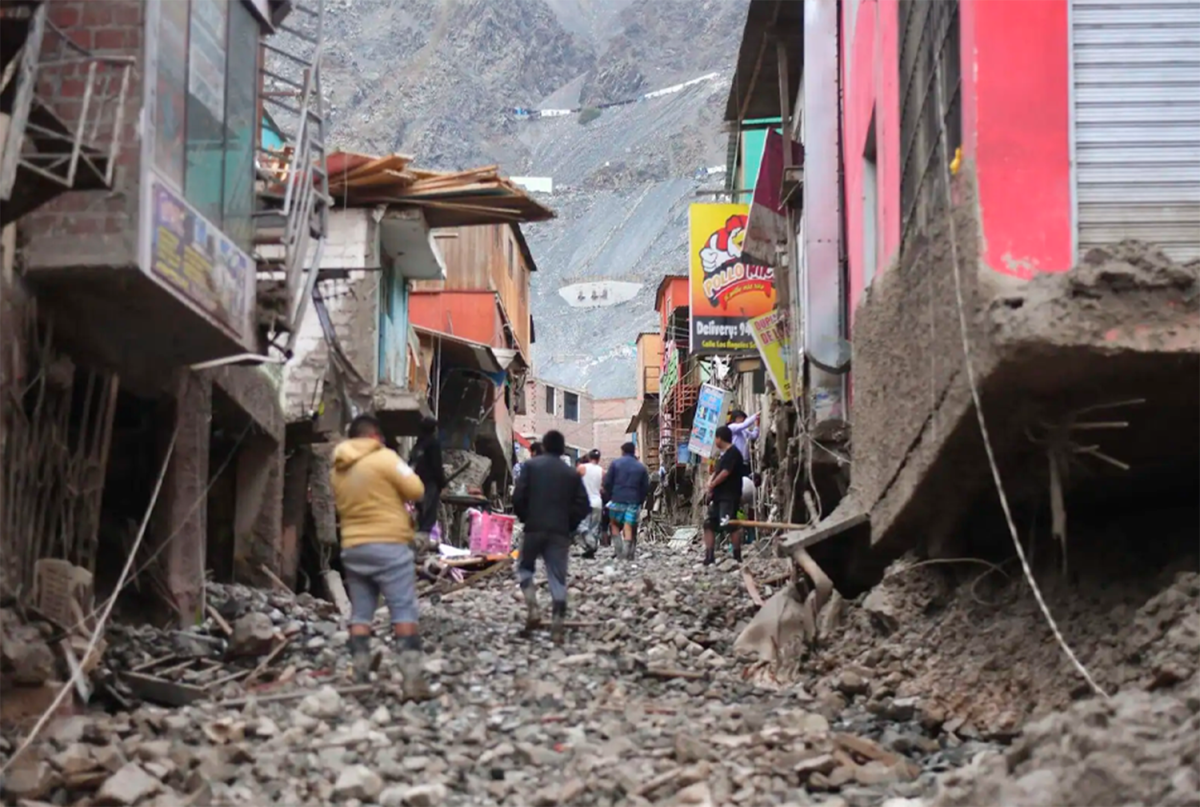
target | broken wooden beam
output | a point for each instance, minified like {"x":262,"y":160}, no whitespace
{"x":669,"y":673}
{"x":830,"y":528}
{"x":159,"y":690}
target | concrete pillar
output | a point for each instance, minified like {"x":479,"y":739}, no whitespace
{"x":295,"y":511}
{"x":258,"y":522}
{"x":180,"y":518}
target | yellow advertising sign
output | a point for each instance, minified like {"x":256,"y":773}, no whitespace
{"x":770,"y":337}
{"x":725,"y":292}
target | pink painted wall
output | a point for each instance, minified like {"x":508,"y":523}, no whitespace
{"x":1017,"y":55}
{"x":1015,"y":105}
{"x":870,"y":76}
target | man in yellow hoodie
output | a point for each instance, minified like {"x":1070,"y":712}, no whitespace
{"x":372,"y":487}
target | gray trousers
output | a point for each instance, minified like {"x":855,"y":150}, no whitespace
{"x":554,"y":550}
{"x":383,"y":568}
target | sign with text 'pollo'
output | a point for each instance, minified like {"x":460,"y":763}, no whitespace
{"x":725,"y":292}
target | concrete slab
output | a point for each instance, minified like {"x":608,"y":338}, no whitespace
{"x":1123,"y":325}
{"x":399,"y":410}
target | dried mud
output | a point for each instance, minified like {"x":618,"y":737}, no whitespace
{"x":980,"y":653}
{"x":1130,"y":282}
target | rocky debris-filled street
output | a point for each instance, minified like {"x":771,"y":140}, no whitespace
{"x":645,"y":703}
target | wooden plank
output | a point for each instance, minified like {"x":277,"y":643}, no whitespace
{"x":806,"y":538}
{"x":158,"y":690}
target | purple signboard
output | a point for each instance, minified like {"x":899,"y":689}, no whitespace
{"x":199,"y":261}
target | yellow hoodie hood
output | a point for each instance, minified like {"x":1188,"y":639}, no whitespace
{"x":372,"y":487}
{"x":351,"y":451}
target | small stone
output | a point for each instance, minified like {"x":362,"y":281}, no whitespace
{"x":695,"y":795}
{"x":28,"y":779}
{"x":75,"y":758}
{"x":324,"y":704}
{"x":381,"y":716}
{"x":428,"y":795}
{"x":253,"y":635}
{"x":841,"y":776}
{"x":129,"y":785}
{"x":821,"y":763}
{"x":689,"y":748}
{"x":358,"y":782}
{"x":875,"y":773}
{"x":851,"y":683}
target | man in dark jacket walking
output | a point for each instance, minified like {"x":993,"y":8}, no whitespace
{"x":426,"y":461}
{"x":627,"y":484}
{"x":551,"y":502}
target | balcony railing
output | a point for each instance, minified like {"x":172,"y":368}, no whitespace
{"x":68,"y":105}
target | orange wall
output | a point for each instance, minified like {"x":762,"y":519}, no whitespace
{"x":486,"y":258}
{"x":466,"y":314}
{"x":675,"y":295}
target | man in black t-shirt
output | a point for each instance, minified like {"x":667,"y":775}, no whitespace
{"x":724,"y":496}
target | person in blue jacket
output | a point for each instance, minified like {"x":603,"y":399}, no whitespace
{"x":626,"y":484}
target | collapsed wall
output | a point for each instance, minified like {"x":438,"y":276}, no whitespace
{"x":1122,"y":326}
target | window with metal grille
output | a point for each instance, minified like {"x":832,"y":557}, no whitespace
{"x":549,"y":400}
{"x":571,"y":406}
{"x":929,"y":45}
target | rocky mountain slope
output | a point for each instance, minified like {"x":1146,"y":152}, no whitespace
{"x":438,"y":79}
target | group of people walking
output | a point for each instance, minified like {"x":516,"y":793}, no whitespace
{"x":374,"y":488}
{"x":555,"y":503}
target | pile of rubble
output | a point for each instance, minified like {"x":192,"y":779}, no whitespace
{"x":250,"y":639}
{"x":975,"y":653}
{"x":646,"y":704}
{"x":1138,"y":748}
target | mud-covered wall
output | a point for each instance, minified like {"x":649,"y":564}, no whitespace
{"x":909,"y":386}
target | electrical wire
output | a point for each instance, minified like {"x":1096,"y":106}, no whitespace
{"x":975,"y":398}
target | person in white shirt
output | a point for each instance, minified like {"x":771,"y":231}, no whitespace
{"x":748,"y":493}
{"x":593,"y":477}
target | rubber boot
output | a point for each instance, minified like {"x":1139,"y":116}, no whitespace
{"x":532,"y":618}
{"x":618,"y":543}
{"x":360,"y":657}
{"x":631,"y":549}
{"x":558,"y":630}
{"x":412,"y":667}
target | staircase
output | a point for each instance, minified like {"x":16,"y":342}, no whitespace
{"x":293,"y":187}
{"x":54,"y":145}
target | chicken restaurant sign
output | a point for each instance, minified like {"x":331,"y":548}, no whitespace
{"x":725,"y":292}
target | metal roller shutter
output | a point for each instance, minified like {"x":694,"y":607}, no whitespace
{"x":1136,"y":118}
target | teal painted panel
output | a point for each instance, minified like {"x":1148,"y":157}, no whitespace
{"x":393,"y":328}
{"x":752,"y":146}
{"x":271,"y":138}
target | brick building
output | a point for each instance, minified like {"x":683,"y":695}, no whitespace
{"x":586,"y":422}
{"x":130,"y":169}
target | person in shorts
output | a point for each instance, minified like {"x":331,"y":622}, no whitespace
{"x":725,"y":497}
{"x":627,"y":483}
{"x":372,"y":488}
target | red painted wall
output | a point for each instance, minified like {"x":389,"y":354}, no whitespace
{"x":870,"y":79}
{"x":1016,"y":128}
{"x":1021,"y":133}
{"x":473,"y":315}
